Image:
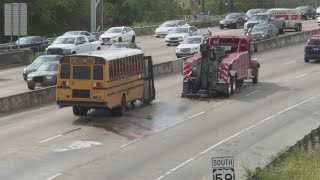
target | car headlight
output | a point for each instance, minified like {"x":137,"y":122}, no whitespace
{"x":49,"y":77}
{"x":221,"y":22}
{"x":66,"y":51}
{"x":24,"y":70}
{"x":195,"y":48}
{"x":263,"y":35}
{"x":177,"y":49}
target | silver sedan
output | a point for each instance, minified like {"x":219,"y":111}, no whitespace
{"x":262,"y":31}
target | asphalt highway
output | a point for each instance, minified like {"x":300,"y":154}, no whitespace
{"x":173,"y":138}
{"x":11,"y":81}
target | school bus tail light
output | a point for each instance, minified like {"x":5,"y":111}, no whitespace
{"x":64,"y":83}
{"x":97,"y":84}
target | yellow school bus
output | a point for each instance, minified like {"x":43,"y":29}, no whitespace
{"x":104,"y":80}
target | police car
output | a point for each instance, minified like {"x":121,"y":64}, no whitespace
{"x":312,"y":48}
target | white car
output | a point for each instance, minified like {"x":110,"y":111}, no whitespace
{"x":167,"y":26}
{"x":190,"y":46}
{"x":178,"y":34}
{"x":118,"y":34}
{"x":90,"y":36}
{"x":318,"y":20}
{"x":75,"y":44}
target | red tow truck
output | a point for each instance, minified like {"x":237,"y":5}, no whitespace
{"x":222,"y":64}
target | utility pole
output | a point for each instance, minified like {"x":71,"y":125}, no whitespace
{"x":93,"y":10}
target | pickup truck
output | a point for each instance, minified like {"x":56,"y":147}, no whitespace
{"x":73,"y":44}
{"x":266,"y":18}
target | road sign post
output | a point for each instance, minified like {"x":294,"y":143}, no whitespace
{"x":223,"y":168}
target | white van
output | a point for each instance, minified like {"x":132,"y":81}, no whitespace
{"x":292,"y":17}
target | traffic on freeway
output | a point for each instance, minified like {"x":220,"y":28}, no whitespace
{"x":117,"y":115}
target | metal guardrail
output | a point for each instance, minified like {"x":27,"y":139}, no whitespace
{"x":194,"y":23}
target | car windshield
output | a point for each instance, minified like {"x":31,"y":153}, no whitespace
{"x":193,"y":40}
{"x":260,"y":17}
{"x":25,"y":40}
{"x":64,"y":40}
{"x":252,"y":12}
{"x":168,"y":24}
{"x":72,"y":33}
{"x":259,"y":28}
{"x":314,"y":42}
{"x":114,"y":30}
{"x":180,"y":30}
{"x":44,"y":59}
{"x":48,"y":67}
{"x":302,"y":8}
{"x":232,"y":16}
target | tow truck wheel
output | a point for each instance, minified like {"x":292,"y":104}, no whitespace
{"x":228,"y":91}
{"x":255,"y":80}
{"x":234,"y":84}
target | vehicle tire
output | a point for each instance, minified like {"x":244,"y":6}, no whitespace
{"x":79,"y":111}
{"x":120,"y":39}
{"x":24,"y":78}
{"x":234,"y":84}
{"x":268,"y":37}
{"x":119,"y":111}
{"x":133,"y":39}
{"x":306,"y":17}
{"x":237,"y":26}
{"x":314,"y":17}
{"x":73,"y":52}
{"x":31,"y":86}
{"x":221,"y":27}
{"x":228,"y":90}
{"x":99,"y":48}
{"x":255,"y":80}
{"x":300,"y":27}
{"x":306,"y":60}
{"x":168,"y":44}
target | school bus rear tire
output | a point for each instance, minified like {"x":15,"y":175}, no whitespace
{"x":79,"y":111}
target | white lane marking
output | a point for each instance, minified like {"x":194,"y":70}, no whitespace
{"x":231,"y":137}
{"x":290,"y":62}
{"x":196,"y":115}
{"x":54,"y":176}
{"x":130,"y":143}
{"x":301,"y":76}
{"x":253,"y":93}
{"x":54,"y":137}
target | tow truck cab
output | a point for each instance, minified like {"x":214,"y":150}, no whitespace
{"x":223,"y":63}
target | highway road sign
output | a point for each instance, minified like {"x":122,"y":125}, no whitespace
{"x":223,"y":168}
{"x":223,"y":174}
{"x":15,"y":19}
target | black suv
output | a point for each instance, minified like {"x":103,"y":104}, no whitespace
{"x":307,"y":12}
{"x":312,"y":48}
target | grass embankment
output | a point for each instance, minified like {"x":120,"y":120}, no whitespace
{"x":297,"y":165}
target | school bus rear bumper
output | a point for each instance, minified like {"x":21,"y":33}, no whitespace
{"x":86,"y":104}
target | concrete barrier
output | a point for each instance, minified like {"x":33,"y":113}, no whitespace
{"x":173,"y":66}
{"x":27,"y":99}
{"x":282,"y":41}
{"x":15,"y":57}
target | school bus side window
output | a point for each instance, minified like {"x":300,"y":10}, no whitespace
{"x":110,"y":70}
